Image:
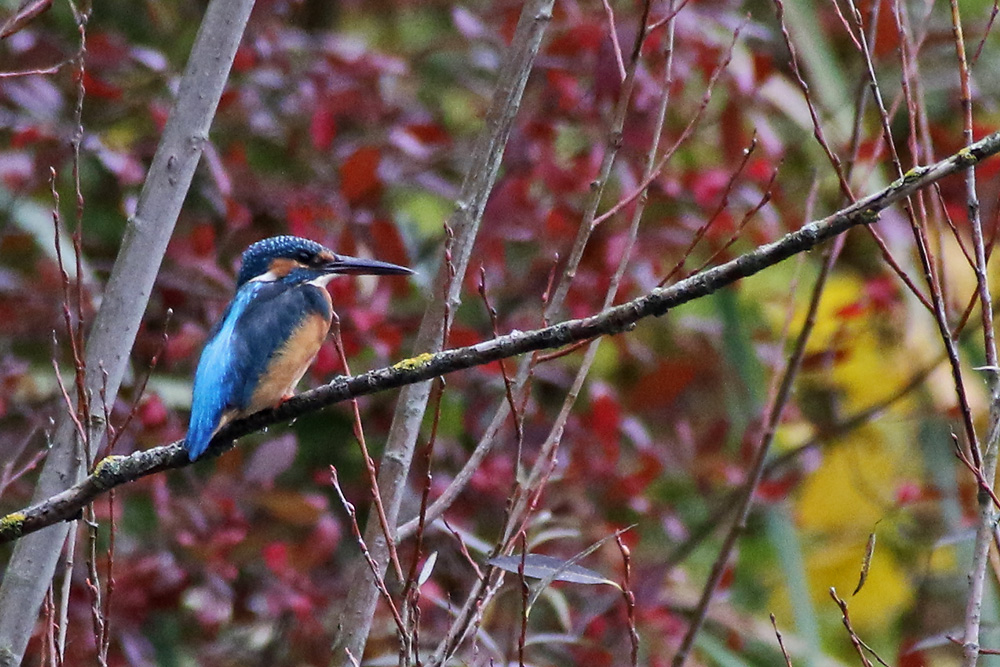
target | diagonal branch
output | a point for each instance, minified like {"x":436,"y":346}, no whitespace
{"x":114,"y":471}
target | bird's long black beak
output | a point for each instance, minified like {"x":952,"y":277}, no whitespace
{"x":359,"y":266}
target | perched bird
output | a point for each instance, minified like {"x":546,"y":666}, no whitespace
{"x":270,"y":333}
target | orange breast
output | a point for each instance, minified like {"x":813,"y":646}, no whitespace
{"x":290,"y":363}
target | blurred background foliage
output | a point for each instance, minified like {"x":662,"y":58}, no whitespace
{"x":351,"y":123}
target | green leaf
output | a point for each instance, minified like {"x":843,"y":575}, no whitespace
{"x":538,"y":566}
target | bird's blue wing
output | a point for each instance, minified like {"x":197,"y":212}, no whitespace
{"x":218,"y":378}
{"x":259,"y":321}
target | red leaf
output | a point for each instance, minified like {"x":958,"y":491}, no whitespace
{"x":300,"y":217}
{"x":851,"y":311}
{"x":152,"y":412}
{"x":228,"y":98}
{"x":559,"y":223}
{"x":322,"y":128}
{"x":26,"y":136}
{"x":580,"y":40}
{"x":661,"y":386}
{"x":238,"y":216}
{"x":567,"y":86}
{"x":908,"y":493}
{"x":707,"y":186}
{"x":184,"y":344}
{"x":389,"y":246}
{"x":275,"y":556}
{"x":776,"y":490}
{"x":429,"y":133}
{"x":605,"y":420}
{"x":728,"y":576}
{"x":882,"y":292}
{"x":327,"y":362}
{"x":99,"y":88}
{"x":203,"y":241}
{"x":359,"y":179}
{"x":244,"y":60}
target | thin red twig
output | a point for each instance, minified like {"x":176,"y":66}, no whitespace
{"x":518,"y":426}
{"x":629,"y":596}
{"x":359,"y":434}
{"x":379,"y":581}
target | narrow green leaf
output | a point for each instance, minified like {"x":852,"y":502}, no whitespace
{"x":866,"y":564}
{"x":428,"y":567}
{"x":538,"y":566}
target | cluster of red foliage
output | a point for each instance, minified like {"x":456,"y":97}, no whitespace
{"x":351,"y":125}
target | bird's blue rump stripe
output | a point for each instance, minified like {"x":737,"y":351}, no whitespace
{"x":217,"y":374}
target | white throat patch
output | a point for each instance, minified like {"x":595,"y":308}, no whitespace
{"x":268,"y":277}
{"x":322,"y":280}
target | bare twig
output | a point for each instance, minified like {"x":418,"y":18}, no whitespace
{"x":527,"y":489}
{"x":719,"y":209}
{"x":985,"y":471}
{"x":984,"y":487}
{"x":359,"y":434}
{"x":613,"y":31}
{"x":629,"y":596}
{"x":835,"y":162}
{"x":781,"y":642}
{"x":51,"y":69}
{"x":355,"y":620}
{"x":141,"y":390}
{"x":982,"y":651}
{"x":756,"y":472}
{"x":376,"y":571}
{"x":859,"y":646}
{"x":525,"y":604}
{"x":855,"y":641}
{"x":518,"y":427}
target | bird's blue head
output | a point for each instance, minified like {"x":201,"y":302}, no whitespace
{"x":295,"y":259}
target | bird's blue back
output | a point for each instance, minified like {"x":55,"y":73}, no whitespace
{"x":258,"y":322}
{"x":218,"y":374}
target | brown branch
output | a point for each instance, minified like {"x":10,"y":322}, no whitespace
{"x":855,"y":640}
{"x":359,"y":435}
{"x":116,"y":470}
{"x":781,"y":642}
{"x":629,"y":596}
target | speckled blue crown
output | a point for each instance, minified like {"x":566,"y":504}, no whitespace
{"x":257,"y":258}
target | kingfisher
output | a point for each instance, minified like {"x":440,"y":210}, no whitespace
{"x":270,"y":332}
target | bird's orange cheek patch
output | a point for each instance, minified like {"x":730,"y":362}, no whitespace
{"x":282,"y":266}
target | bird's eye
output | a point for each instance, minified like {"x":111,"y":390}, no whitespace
{"x":304,"y":257}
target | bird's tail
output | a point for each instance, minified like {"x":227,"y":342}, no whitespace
{"x":200,"y":431}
